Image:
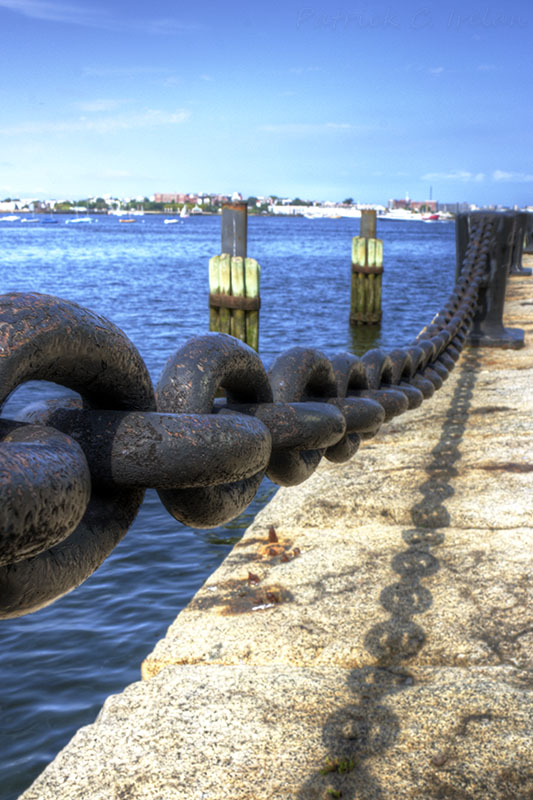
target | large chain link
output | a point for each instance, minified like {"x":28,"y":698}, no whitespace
{"x":74,"y":472}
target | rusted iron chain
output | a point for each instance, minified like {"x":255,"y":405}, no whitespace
{"x":74,"y":472}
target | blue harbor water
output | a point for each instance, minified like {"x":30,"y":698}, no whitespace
{"x":59,"y":664}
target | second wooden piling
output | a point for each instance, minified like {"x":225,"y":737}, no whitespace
{"x":367,"y":269}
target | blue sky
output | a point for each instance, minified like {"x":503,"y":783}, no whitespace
{"x":325,"y":101}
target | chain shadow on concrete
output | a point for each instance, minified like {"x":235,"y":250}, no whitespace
{"x":356,"y":733}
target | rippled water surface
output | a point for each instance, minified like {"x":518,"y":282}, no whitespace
{"x":59,"y":664}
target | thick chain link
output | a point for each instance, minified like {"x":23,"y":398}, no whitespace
{"x":74,"y":472}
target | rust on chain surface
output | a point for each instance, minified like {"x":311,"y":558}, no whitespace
{"x":221,"y":300}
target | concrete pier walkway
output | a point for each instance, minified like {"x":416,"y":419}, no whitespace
{"x":370,"y":637}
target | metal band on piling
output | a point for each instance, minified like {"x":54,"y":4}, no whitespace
{"x":229,"y":301}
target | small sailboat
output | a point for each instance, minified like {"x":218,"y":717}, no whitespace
{"x":184,"y":213}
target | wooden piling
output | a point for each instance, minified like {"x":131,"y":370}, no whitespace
{"x":224,"y":317}
{"x":234,"y":300}
{"x":238,"y":324}
{"x":252,"y":275}
{"x":367,"y":269}
{"x":214,"y":290}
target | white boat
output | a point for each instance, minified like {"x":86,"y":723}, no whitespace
{"x":10,"y":218}
{"x":184,"y":213}
{"x":126,"y":212}
{"x":171,"y":221}
{"x":401,"y":215}
{"x":29,"y":219}
{"x":75,"y":220}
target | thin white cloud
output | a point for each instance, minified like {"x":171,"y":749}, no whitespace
{"x":86,"y":16}
{"x":165,"y":26}
{"x":312,"y":128}
{"x":462,"y":176}
{"x":151,"y":118}
{"x":501,"y":176}
{"x":436,"y":70}
{"x":115,"y":173}
{"x":303,"y":70}
{"x":121,"y":72}
{"x":486,"y":67}
{"x":56,"y":12}
{"x":173,"y":80}
{"x":95,"y":106}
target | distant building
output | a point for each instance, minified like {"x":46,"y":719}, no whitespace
{"x":165,"y":198}
{"x":427,"y":206}
{"x":399,"y":203}
{"x":174,"y":197}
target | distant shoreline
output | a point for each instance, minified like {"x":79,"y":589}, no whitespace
{"x":176,"y":214}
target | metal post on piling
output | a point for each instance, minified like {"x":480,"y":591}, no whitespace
{"x":234,"y":229}
{"x":234,"y":300}
{"x":367,"y":271}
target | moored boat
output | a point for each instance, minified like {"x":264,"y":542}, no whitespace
{"x":401,"y":215}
